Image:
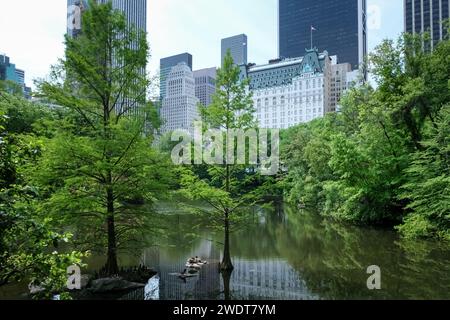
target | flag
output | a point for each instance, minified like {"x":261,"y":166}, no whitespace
{"x":313,"y":29}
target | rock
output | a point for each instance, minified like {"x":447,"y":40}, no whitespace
{"x":192,"y":271}
{"x":85,"y":281}
{"x":105,"y":285}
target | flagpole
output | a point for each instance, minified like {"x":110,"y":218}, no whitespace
{"x":311,"y":37}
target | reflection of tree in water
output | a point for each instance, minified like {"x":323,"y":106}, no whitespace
{"x":298,"y":255}
{"x":333,"y":258}
{"x":226,"y":278}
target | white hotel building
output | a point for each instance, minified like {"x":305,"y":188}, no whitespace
{"x":289,"y":92}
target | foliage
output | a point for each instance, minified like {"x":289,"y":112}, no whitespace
{"x":11,"y":87}
{"x":28,"y":242}
{"x":100,"y":167}
{"x":428,"y":185}
{"x":384,"y":155}
{"x":29,"y":248}
{"x":224,"y":186}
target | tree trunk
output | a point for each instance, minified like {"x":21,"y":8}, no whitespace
{"x":226,"y":264}
{"x":112,"y":267}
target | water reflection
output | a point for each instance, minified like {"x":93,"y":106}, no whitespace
{"x":292,"y":255}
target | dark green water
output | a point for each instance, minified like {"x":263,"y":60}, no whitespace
{"x":290,"y":254}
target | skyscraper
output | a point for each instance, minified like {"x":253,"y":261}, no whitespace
{"x":7,"y":69}
{"x":205,"y":85}
{"x":166,"y":65}
{"x":238,"y":47}
{"x":427,"y":16}
{"x":338,"y":26}
{"x":135,"y":12}
{"x":9,"y":72}
{"x":180,"y":105}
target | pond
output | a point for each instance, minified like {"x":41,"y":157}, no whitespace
{"x":292,"y":254}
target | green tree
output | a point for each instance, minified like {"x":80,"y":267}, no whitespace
{"x":428,"y":186}
{"x":351,"y":165}
{"x":232,"y":108}
{"x":28,"y":241}
{"x":11,"y":87}
{"x":100,"y":165}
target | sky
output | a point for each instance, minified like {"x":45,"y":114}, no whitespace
{"x":32,"y":32}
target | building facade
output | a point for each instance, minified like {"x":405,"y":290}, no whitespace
{"x":427,"y":16}
{"x":134,"y":11}
{"x":339,"y":83}
{"x":339,"y":27}
{"x":9,"y":72}
{"x":287,"y":92}
{"x":75,"y":9}
{"x":238,"y":47}
{"x":180,"y":105}
{"x":205,"y":85}
{"x":166,"y":65}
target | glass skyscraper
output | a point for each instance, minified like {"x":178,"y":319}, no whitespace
{"x":339,"y":27}
{"x":9,"y":72}
{"x":238,"y":48}
{"x":427,"y":16}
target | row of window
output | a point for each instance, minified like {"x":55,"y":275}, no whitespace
{"x":293,"y":112}
{"x":298,"y":85}
{"x":283,"y":100}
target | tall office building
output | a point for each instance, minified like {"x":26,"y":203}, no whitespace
{"x":180,"y":105}
{"x":238,"y":48}
{"x":166,"y":65}
{"x":20,"y":76}
{"x":7,"y":69}
{"x":427,"y":16}
{"x":342,"y":79}
{"x":205,"y":85}
{"x":75,"y":9}
{"x":338,"y":26}
{"x":135,"y":12}
{"x":9,"y":72}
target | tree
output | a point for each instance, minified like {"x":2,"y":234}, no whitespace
{"x":11,"y":87}
{"x":27,"y":240}
{"x":27,"y":245}
{"x":232,"y":108}
{"x":100,"y":165}
{"x":428,"y":185}
{"x":382,"y":157}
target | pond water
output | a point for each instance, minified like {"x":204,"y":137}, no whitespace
{"x":292,"y":255}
